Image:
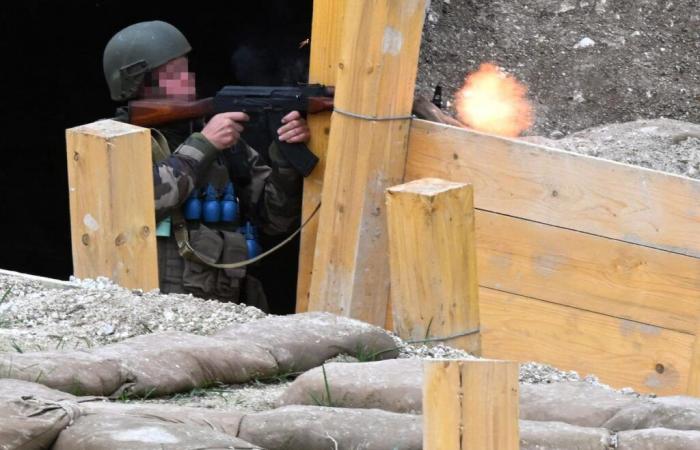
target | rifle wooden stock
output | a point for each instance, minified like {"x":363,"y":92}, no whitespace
{"x":154,"y":112}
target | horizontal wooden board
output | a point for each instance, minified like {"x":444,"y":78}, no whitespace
{"x":588,"y":194}
{"x":620,"y":352}
{"x":589,"y":272}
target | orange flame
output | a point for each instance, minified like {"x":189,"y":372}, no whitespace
{"x":494,"y":102}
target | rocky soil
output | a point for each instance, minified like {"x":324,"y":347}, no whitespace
{"x":586,"y":62}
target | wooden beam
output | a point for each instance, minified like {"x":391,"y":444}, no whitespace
{"x":112,"y":210}
{"x":326,"y":32}
{"x":593,"y":273}
{"x":564,"y":189}
{"x":622,"y":353}
{"x":432,"y":254}
{"x":366,"y":155}
{"x":471,"y":405}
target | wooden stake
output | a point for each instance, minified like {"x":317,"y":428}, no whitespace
{"x":470,"y":405}
{"x":326,"y":32}
{"x":432,"y":253}
{"x":376,"y":79}
{"x":112,"y":211}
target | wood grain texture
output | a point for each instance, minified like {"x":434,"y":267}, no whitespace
{"x":432,"y":254}
{"x":111,"y":203}
{"x":326,"y":36}
{"x":490,"y":405}
{"x":588,"y":194}
{"x":610,"y":277}
{"x":620,"y":352}
{"x":376,"y":77}
{"x":442,"y":405}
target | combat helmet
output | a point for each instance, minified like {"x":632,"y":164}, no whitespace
{"x":135,"y":51}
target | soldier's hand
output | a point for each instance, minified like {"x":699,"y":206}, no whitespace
{"x":224,"y":130}
{"x":294,"y":129}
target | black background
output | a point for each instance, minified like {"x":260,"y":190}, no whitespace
{"x":52,"y":79}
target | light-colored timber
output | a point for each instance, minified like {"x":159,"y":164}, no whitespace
{"x":110,"y":183}
{"x":432,"y":254}
{"x":471,"y":405}
{"x":376,"y":79}
{"x":326,"y":33}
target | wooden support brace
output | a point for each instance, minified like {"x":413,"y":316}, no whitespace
{"x":110,"y":184}
{"x":326,"y":33}
{"x":366,"y":154}
{"x":432,"y":254}
{"x":470,"y":405}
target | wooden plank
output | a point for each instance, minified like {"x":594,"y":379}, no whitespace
{"x":620,"y":352}
{"x":326,"y":32}
{"x":442,"y":405}
{"x":589,"y":272}
{"x":605,"y":198}
{"x":376,"y":79}
{"x":490,"y":405}
{"x":111,"y":203}
{"x":470,"y":405}
{"x":432,"y":255}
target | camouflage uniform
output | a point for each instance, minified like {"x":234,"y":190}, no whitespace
{"x":269,"y":195}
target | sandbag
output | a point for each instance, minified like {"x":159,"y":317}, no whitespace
{"x":393,"y":385}
{"x":28,"y":423}
{"x":110,"y":432}
{"x":658,"y":439}
{"x":558,"y":435}
{"x":76,"y":372}
{"x":573,"y":402}
{"x":302,"y":341}
{"x":11,"y":389}
{"x":222,"y":421}
{"x":166,"y":363}
{"x":677,"y":412}
{"x":319,"y":428}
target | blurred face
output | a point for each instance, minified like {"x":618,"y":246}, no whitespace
{"x":173,"y":80}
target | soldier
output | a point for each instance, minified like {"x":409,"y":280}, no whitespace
{"x":149,"y":60}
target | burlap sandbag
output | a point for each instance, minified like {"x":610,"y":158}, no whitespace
{"x":302,"y":341}
{"x":318,"y":428}
{"x":393,"y":385}
{"x":110,"y":432}
{"x":76,"y":372}
{"x":558,"y":436}
{"x":677,"y":412}
{"x":28,"y":423}
{"x":166,"y":363}
{"x":222,"y":421}
{"x":658,"y":439}
{"x":12,"y":389}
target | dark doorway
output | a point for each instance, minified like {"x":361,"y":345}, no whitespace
{"x":52,"y":80}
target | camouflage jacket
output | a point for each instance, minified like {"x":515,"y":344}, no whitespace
{"x":269,"y":195}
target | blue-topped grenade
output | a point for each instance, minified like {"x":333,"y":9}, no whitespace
{"x":229,"y":207}
{"x":193,"y":206}
{"x":251,"y":241}
{"x":211,"y":207}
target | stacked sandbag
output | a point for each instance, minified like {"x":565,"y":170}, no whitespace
{"x":109,"y":432}
{"x":319,"y":428}
{"x":76,"y":372}
{"x":171,"y":362}
{"x":302,"y":341}
{"x":393,"y":385}
{"x":558,"y":435}
{"x":32,"y":415}
{"x":676,"y":412}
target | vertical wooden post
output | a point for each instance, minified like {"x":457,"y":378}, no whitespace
{"x":326,"y":33}
{"x":366,"y":154}
{"x":432,"y":254}
{"x":694,"y":375}
{"x":110,"y":182}
{"x":470,"y":405}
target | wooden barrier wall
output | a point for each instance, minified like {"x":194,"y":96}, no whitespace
{"x":585,"y":264}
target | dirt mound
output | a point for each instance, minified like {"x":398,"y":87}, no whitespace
{"x":585,"y":62}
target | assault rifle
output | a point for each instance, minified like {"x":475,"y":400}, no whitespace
{"x":269,"y":103}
